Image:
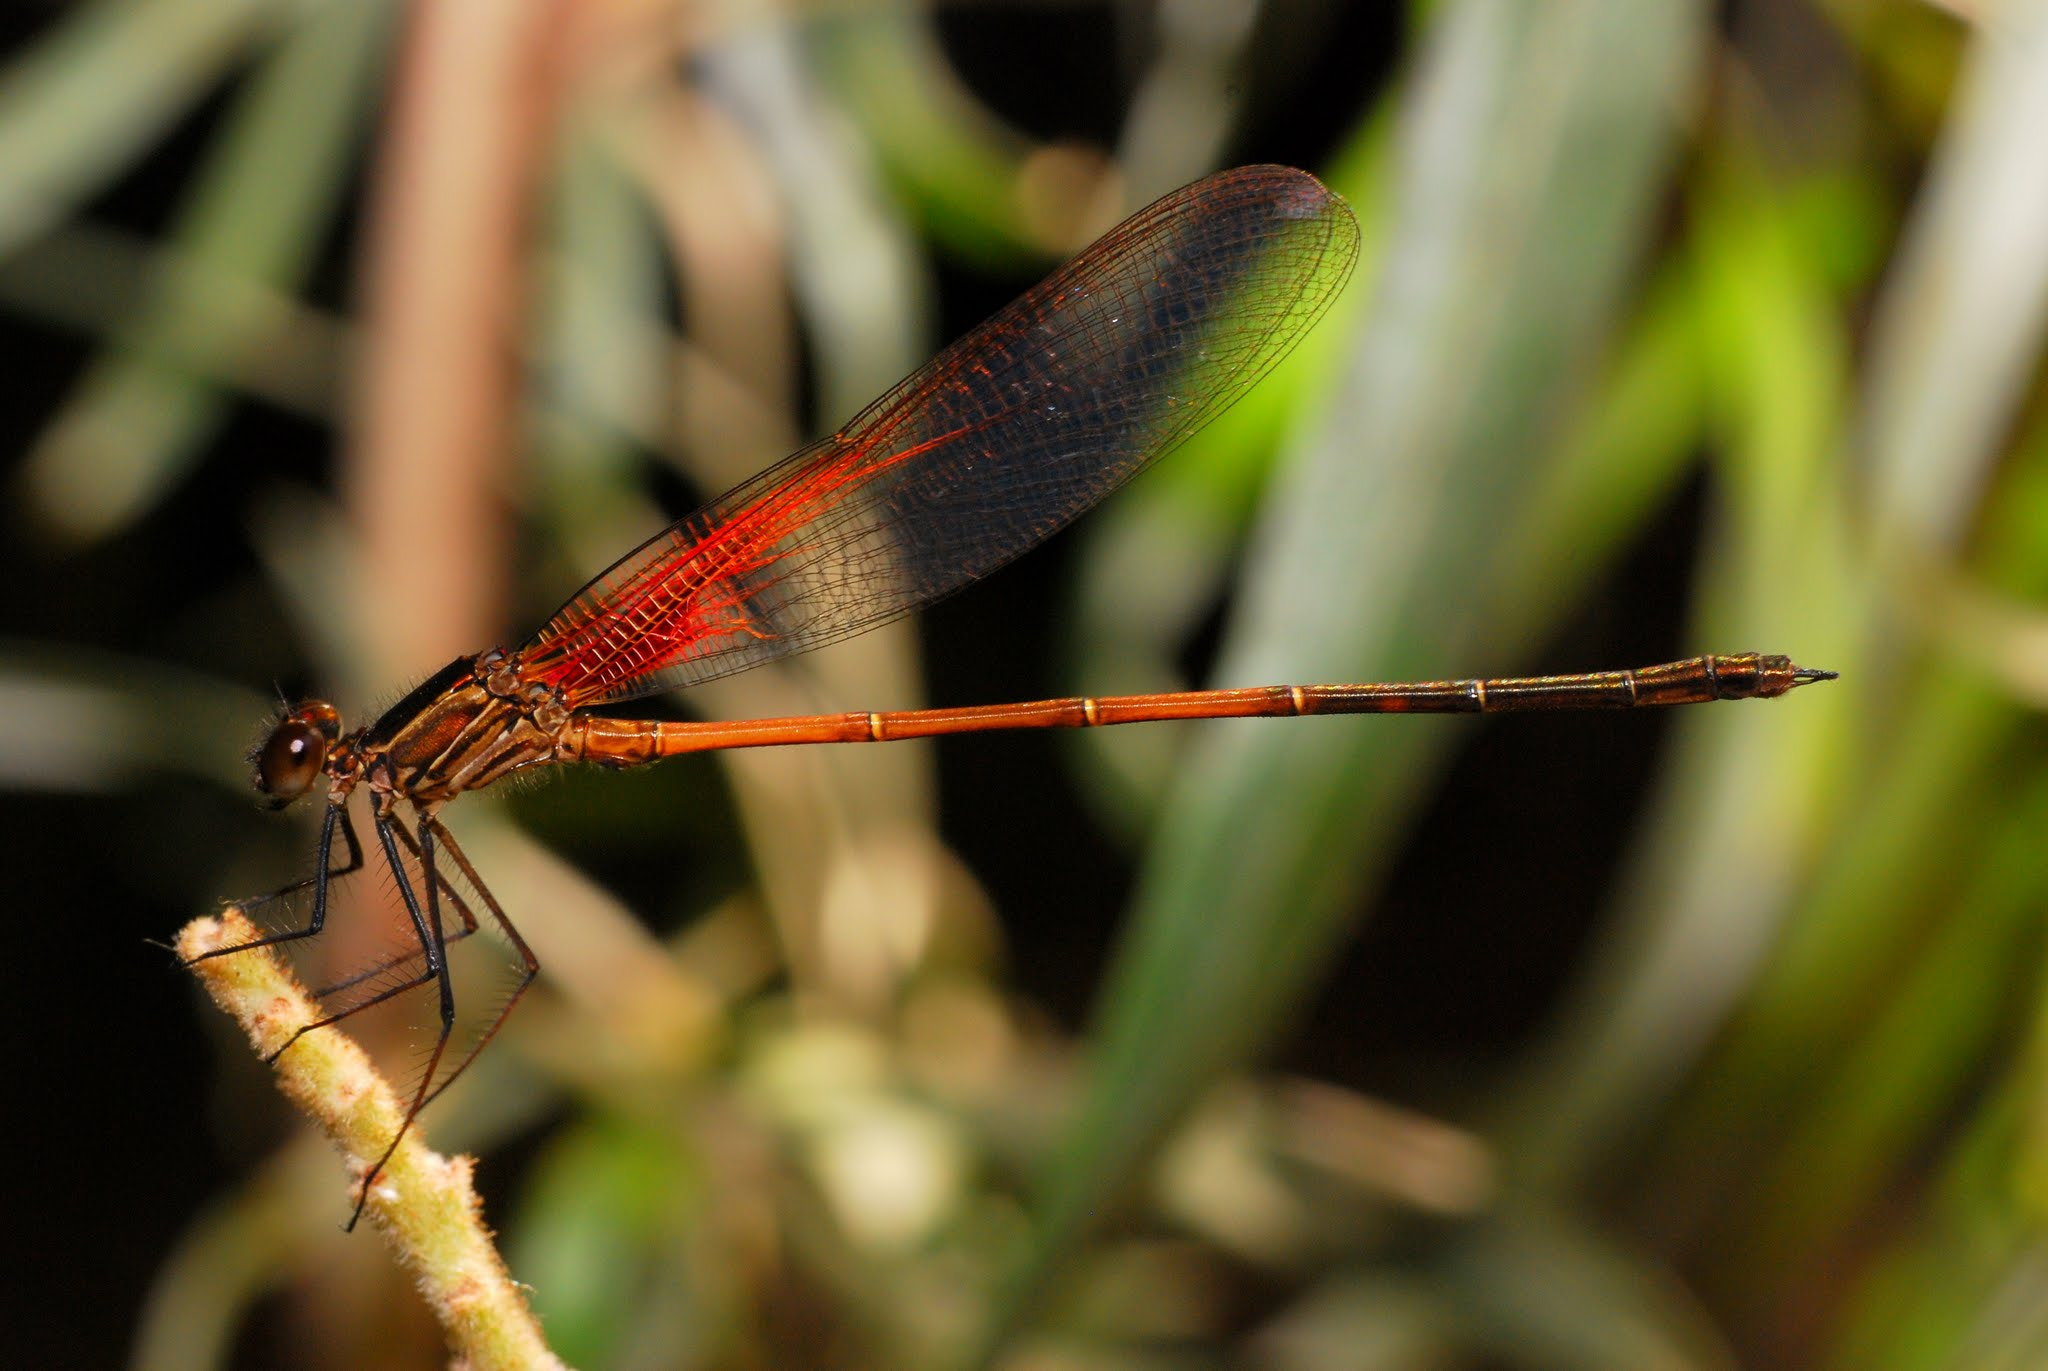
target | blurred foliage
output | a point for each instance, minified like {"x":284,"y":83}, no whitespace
{"x":1760,"y":287}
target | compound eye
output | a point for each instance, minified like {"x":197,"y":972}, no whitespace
{"x":290,"y":759}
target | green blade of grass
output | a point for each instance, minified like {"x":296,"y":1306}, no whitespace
{"x":255,"y":218}
{"x":1910,"y":1068}
{"x":1958,"y":333}
{"x":98,"y":89}
{"x":1740,"y":791}
{"x":1536,"y":138}
{"x":955,"y":160}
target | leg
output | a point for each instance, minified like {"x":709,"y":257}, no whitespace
{"x":430,"y":955}
{"x":323,"y":876}
{"x":431,"y":831}
{"x":448,"y":893}
{"x":433,"y":947}
{"x":530,"y":967}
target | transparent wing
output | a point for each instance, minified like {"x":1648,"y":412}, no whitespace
{"x":988,"y":449}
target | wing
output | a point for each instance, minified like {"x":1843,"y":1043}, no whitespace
{"x":988,"y":449}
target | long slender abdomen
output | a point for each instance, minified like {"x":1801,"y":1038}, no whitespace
{"x":635,"y":742}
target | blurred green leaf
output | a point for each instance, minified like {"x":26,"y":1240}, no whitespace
{"x":957,"y":161}
{"x":603,"y":363}
{"x":250,"y":227}
{"x":1744,"y":790}
{"x":86,"y":278}
{"x":76,"y":719}
{"x":1534,"y":1290}
{"x":1960,"y":1281}
{"x":100,"y":88}
{"x":596,"y":1226}
{"x":1522,"y":195}
{"x":1620,"y":460}
{"x":1959,"y":330}
{"x":1941,"y":1016}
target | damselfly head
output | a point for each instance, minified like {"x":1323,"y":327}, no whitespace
{"x":291,"y":757}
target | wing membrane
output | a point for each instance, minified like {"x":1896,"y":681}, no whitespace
{"x":998,"y":442}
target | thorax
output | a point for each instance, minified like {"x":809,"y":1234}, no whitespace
{"x":469,"y":724}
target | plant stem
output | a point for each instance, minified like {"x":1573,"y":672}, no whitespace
{"x":424,"y":1203}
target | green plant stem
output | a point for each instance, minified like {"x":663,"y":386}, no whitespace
{"x":423,"y":1203}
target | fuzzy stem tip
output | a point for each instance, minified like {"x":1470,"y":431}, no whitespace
{"x":423,"y":1203}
